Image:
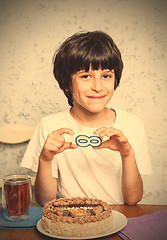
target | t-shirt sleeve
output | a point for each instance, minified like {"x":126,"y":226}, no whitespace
{"x":32,"y":153}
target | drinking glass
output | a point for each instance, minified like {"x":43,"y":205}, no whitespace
{"x":16,"y":196}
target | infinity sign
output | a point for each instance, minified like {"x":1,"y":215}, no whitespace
{"x":85,"y":141}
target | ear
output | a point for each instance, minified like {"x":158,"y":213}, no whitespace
{"x":69,"y":89}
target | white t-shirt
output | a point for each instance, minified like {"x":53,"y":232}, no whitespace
{"x":85,"y":171}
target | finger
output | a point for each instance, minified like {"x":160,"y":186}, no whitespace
{"x":61,"y":143}
{"x":53,"y":146}
{"x":54,"y":137}
{"x":104,"y":131}
{"x":103,"y":145}
{"x":70,"y":145}
{"x":99,"y":130}
{"x":116,"y":134}
{"x":109,"y":132}
{"x":61,"y":131}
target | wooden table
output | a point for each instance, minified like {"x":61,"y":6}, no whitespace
{"x":128,"y":211}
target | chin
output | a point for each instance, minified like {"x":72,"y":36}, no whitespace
{"x":95,"y":109}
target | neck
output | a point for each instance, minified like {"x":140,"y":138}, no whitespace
{"x":93,"y":120}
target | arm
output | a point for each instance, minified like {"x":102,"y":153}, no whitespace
{"x":132,"y":185}
{"x":45,"y":184}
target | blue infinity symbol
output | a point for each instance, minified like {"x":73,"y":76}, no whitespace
{"x":85,"y":141}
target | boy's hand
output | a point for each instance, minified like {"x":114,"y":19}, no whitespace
{"x":116,"y":142}
{"x":55,"y":143}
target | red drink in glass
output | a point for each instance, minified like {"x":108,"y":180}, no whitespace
{"x":17,"y":194}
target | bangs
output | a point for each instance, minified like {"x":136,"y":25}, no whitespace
{"x":96,"y":56}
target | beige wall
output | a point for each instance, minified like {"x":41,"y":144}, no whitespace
{"x":30,"y":31}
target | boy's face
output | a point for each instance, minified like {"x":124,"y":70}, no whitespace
{"x":92,"y":90}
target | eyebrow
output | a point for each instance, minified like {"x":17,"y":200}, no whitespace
{"x":104,"y":70}
{"x":107,"y":70}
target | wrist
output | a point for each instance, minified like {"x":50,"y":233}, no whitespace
{"x":42,"y":159}
{"x":129,"y":154}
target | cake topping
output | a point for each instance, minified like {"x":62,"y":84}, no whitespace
{"x":79,"y":212}
{"x":77,"y":209}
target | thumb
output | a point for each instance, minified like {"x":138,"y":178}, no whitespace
{"x":103,"y":145}
{"x":70,"y":145}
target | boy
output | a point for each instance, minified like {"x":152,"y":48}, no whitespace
{"x":88,"y":68}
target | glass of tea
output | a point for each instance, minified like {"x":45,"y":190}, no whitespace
{"x":16,"y":195}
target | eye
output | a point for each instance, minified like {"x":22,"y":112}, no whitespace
{"x":107,"y":76}
{"x":86,"y":76}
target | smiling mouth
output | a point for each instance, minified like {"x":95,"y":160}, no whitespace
{"x":96,"y":97}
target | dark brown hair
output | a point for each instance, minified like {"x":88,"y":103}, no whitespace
{"x":80,"y":51}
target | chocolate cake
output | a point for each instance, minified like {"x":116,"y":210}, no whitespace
{"x":76,"y":217}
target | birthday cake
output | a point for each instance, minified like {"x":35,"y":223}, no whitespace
{"x":76,"y":217}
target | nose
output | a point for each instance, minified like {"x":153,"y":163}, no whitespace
{"x":97,"y":85}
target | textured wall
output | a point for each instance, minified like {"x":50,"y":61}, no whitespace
{"x":30,"y":31}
